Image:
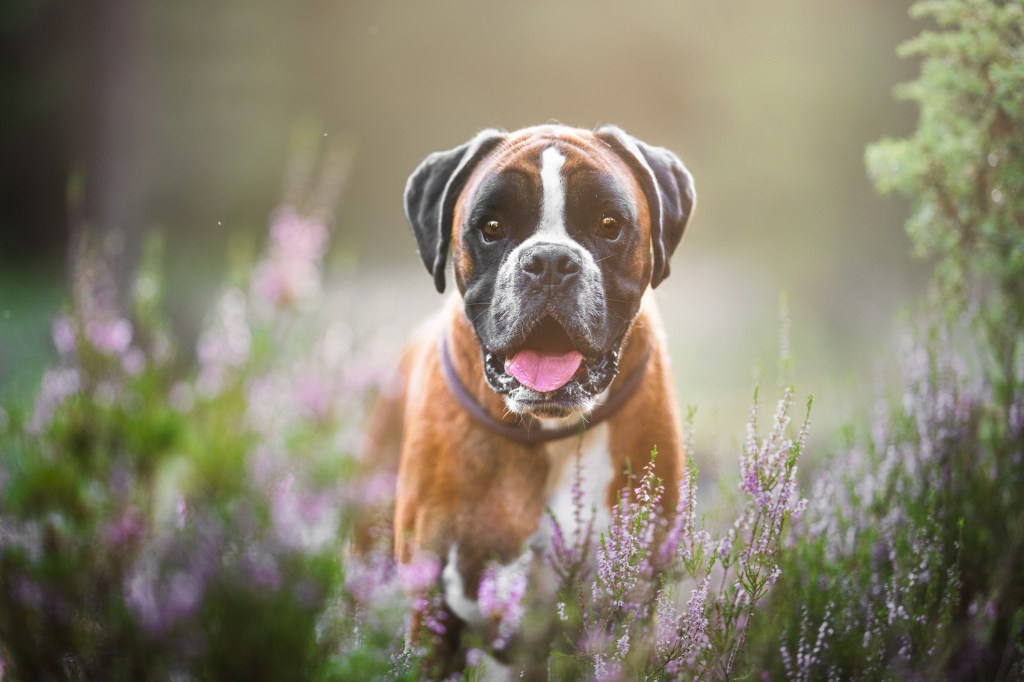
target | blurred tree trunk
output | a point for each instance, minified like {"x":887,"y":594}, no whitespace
{"x":118,"y":173}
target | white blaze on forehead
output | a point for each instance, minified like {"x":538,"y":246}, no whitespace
{"x":552,"y":211}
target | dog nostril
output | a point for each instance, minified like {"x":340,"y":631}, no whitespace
{"x":567,"y":265}
{"x":533,"y":264}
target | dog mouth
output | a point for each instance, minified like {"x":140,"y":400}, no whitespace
{"x":548,"y":371}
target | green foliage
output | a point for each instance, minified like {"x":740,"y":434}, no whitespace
{"x":963,"y":167}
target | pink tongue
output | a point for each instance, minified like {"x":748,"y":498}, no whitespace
{"x":543,"y":372}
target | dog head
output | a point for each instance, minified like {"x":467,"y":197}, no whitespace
{"x":555,"y":235}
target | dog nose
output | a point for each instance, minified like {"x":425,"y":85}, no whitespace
{"x":550,"y":264}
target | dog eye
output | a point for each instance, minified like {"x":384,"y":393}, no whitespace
{"x":610,"y":228}
{"x":492,"y":230}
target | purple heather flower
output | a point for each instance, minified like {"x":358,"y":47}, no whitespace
{"x":182,"y":596}
{"x":377,"y":489}
{"x":28,"y":592}
{"x":58,"y":385}
{"x":500,"y":596}
{"x":606,"y":670}
{"x":262,"y":570}
{"x":681,"y":536}
{"x":678,"y":636}
{"x":474,"y":657}
{"x":622,"y":646}
{"x":369,"y":578}
{"x":109,"y":337}
{"x":180,"y":511}
{"x":64,"y":335}
{"x":433,"y":614}
{"x":124,"y":529}
{"x":225,"y":344}
{"x":133,"y":361}
{"x":290,"y":273}
{"x":420,"y":574}
{"x":303,"y":520}
{"x":314,"y":395}
{"x":624,"y":554}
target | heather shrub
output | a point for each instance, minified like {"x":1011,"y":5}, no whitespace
{"x":162,"y":518}
{"x":909,"y":563}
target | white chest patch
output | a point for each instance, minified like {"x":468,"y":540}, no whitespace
{"x":578,"y":483}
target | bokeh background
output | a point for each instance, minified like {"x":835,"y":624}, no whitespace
{"x":129,"y":115}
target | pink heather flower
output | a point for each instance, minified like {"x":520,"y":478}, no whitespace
{"x":28,"y":592}
{"x":262,"y":570}
{"x":225,"y":344}
{"x":679,"y":635}
{"x":432,"y":620}
{"x":314,"y":396}
{"x":500,"y":596}
{"x":123,"y":529}
{"x":605,"y":670}
{"x":183,"y":595}
{"x":180,"y":511}
{"x":133,"y":362}
{"x":624,"y":554}
{"x":159,"y":606}
{"x":420,"y":574}
{"x":303,"y":521}
{"x":724,"y":546}
{"x":376,"y":490}
{"x":64,"y":335}
{"x":369,"y":579}
{"x":58,"y":385}
{"x":622,"y":646}
{"x":110,"y":338}
{"x":681,"y":536}
{"x":474,"y":657}
{"x":290,"y":272}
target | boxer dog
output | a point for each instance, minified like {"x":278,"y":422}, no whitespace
{"x":548,"y":360}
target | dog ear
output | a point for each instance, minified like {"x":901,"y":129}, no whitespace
{"x":668,"y":187}
{"x":431,"y":193}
